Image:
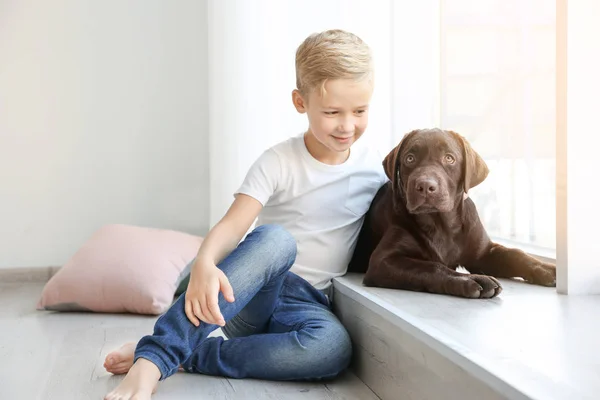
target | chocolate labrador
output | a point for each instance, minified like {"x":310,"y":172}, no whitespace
{"x":421,"y":225}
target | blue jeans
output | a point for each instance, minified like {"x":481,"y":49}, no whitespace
{"x":279,"y":327}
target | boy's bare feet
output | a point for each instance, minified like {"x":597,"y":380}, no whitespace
{"x":139,"y":383}
{"x":120,"y":361}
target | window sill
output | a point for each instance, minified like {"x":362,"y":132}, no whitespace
{"x":529,"y":343}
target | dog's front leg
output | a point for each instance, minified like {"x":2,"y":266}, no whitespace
{"x":503,"y":262}
{"x":389,"y":268}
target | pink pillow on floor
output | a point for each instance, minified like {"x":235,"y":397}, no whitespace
{"x":122,"y":269}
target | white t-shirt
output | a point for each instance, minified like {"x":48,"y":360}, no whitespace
{"x":322,"y":206}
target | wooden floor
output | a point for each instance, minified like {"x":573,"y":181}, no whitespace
{"x":58,"y":356}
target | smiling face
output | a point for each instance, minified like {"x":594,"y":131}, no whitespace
{"x":337,"y":117}
{"x":432,"y":169}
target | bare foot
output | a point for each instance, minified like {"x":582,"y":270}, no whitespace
{"x":139,"y":383}
{"x":120,"y":361}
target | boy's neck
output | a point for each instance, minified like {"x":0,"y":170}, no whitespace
{"x":322,"y":153}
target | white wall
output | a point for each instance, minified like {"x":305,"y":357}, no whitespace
{"x":103,"y":118}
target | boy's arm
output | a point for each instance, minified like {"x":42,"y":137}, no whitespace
{"x":206,"y":280}
{"x":228,"y":232}
{"x":259,"y":185}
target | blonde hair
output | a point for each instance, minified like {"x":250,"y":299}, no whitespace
{"x":332,"y":54}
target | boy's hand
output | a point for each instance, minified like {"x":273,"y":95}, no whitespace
{"x":202,"y":295}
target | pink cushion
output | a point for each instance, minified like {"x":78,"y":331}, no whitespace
{"x":121,"y":269}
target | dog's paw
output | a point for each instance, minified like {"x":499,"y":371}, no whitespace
{"x":543,"y":274}
{"x":477,"y":287}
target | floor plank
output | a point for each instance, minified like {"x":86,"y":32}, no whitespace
{"x":58,"y":356}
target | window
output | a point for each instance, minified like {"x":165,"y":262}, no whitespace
{"x":498,"y":88}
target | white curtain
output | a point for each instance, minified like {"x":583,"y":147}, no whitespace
{"x":251,"y":57}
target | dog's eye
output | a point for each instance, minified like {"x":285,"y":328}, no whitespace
{"x":410,"y":158}
{"x":450,"y":159}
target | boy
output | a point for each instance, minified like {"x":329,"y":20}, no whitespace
{"x":310,"y":194}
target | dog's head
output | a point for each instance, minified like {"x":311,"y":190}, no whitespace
{"x":431,"y":169}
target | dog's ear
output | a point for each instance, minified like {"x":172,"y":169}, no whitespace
{"x":391,"y":164}
{"x":475,"y":170}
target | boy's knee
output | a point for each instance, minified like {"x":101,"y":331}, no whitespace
{"x":277,"y":241}
{"x":330,"y":342}
{"x":341,"y":346}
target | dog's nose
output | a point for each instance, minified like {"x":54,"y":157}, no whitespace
{"x":426,"y":185}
